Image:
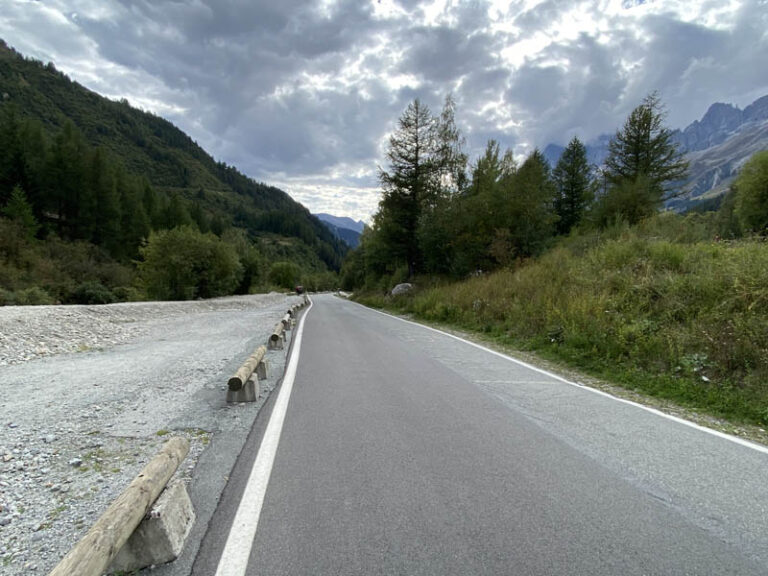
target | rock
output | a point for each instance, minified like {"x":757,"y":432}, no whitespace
{"x":5,"y":520}
{"x":49,"y":438}
{"x":76,"y":462}
{"x":402,"y":288}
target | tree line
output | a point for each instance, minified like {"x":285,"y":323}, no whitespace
{"x":441,"y":215}
{"x":76,"y":226}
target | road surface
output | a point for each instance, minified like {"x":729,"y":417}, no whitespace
{"x":406,"y":451}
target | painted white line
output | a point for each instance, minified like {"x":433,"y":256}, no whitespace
{"x":688,"y":423}
{"x":237,"y":550}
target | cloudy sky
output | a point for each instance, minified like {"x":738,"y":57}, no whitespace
{"x":302,"y":94}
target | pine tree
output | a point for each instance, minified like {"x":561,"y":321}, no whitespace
{"x":406,"y":186}
{"x":572,"y":177}
{"x":643,"y":150}
{"x":19,"y":210}
{"x":530,"y":211}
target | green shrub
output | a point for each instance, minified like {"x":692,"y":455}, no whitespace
{"x":284,"y":275}
{"x":183,"y":263}
{"x":92,"y":293}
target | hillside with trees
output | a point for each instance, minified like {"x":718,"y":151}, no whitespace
{"x":91,"y":184}
{"x":576,"y":264}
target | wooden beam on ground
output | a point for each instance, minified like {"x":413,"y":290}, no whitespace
{"x":94,"y":553}
{"x":244,"y":372}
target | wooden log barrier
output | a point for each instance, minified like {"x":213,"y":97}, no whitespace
{"x":286,"y":321}
{"x":246,"y":370}
{"x":276,"y":338}
{"x":93,"y":554}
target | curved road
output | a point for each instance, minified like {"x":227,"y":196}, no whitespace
{"x":407,"y":451}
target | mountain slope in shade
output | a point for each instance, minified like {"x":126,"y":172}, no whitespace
{"x":342,"y":222}
{"x":151,"y":147}
{"x":344,"y":228}
{"x":716,"y":147}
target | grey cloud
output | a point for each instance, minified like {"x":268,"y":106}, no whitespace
{"x":444,"y":54}
{"x":238,"y":71}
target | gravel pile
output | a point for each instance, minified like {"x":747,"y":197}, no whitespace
{"x":88,"y":394}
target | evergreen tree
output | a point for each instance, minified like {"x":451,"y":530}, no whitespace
{"x":643,"y":150}
{"x":487,"y":169}
{"x":450,"y":160}
{"x":406,"y":186}
{"x":106,"y":187}
{"x":176,"y":213}
{"x":199,"y":217}
{"x":752,"y":194}
{"x":66,"y":177}
{"x":19,"y":210}
{"x":572,"y":177}
{"x":530,"y":211}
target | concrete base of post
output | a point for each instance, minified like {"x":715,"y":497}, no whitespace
{"x":261,"y":370}
{"x":276,"y":343}
{"x":248,"y":393}
{"x":250,"y":390}
{"x":160,"y":536}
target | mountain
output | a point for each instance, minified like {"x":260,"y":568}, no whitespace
{"x":597,"y":151}
{"x":716,"y":147}
{"x":153,"y":149}
{"x":343,"y":228}
{"x":342,"y":222}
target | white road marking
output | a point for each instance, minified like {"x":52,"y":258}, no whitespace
{"x":237,"y":550}
{"x":717,"y":433}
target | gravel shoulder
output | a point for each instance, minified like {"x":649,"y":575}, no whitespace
{"x":90,"y":393}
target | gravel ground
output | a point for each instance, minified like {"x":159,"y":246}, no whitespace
{"x":89,"y":394}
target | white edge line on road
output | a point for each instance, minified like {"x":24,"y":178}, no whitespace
{"x":717,"y":433}
{"x":237,"y":550}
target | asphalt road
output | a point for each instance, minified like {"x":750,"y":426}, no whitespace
{"x":406,"y":451}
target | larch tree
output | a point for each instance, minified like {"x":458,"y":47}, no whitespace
{"x":643,"y":156}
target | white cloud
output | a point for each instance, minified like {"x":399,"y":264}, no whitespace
{"x":302,"y":94}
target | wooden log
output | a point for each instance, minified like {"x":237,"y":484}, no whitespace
{"x":93,"y":554}
{"x":277,"y":333}
{"x":244,"y":372}
{"x":276,"y":338}
{"x":286,"y":321}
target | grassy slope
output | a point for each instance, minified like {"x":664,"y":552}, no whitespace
{"x":647,"y":308}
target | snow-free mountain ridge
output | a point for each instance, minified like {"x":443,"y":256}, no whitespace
{"x":716,"y":147}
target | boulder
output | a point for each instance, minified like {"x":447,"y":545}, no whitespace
{"x":402,"y":288}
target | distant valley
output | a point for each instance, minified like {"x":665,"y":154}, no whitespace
{"x":344,"y":228}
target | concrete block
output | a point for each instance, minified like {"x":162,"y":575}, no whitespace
{"x":261,"y":370}
{"x":276,"y":344}
{"x":160,"y":536}
{"x":248,"y":393}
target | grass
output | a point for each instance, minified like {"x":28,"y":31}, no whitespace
{"x":682,"y":319}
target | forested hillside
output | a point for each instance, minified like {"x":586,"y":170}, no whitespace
{"x":105,"y":176}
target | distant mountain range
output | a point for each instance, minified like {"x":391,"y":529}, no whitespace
{"x":344,"y":228}
{"x":715,"y":146}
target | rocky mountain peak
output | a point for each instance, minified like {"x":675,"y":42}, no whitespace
{"x":722,"y":117}
{"x":758,"y":110}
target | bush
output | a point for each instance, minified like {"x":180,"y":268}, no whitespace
{"x":284,"y":275}
{"x":183,"y":263}
{"x":28,"y":297}
{"x":92,"y":293}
